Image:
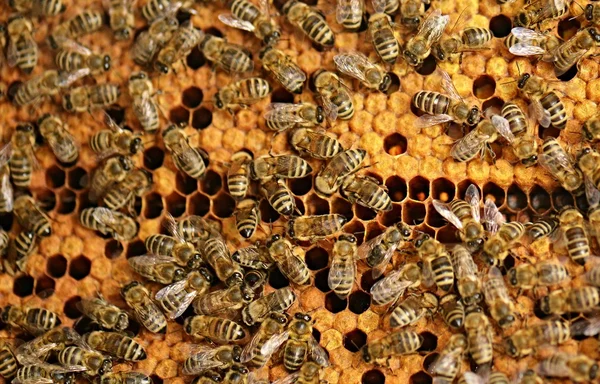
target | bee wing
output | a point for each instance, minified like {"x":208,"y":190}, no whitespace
{"x":492,"y":216}
{"x":526,"y":49}
{"x":445,"y":362}
{"x":590,"y":327}
{"x":448,"y":85}
{"x":149,"y":260}
{"x":429,"y":120}
{"x":171,"y":225}
{"x":591,"y":192}
{"x":37,"y":380}
{"x":541,"y":115}
{"x":368,"y":246}
{"x":289,"y":71}
{"x":444,"y":210}
{"x":365,"y":248}
{"x":472,"y":197}
{"x":248,"y":351}
{"x":337,"y":271}
{"x":289,"y":379}
{"x":503,"y":128}
{"x":5,"y":154}
{"x":575,"y":57}
{"x":330,"y":109}
{"x":72,"y":45}
{"x":185,"y":302}
{"x":526,"y":34}
{"x":353,"y":64}
{"x":12,"y":53}
{"x":473,"y":378}
{"x":171,"y":289}
{"x":318,"y":353}
{"x":284,"y":112}
{"x":7,"y":193}
{"x":203,"y":360}
{"x":65,"y":79}
{"x":343,"y":11}
{"x":379,"y":5}
{"x":111,"y":123}
{"x":104,"y":216}
{"x":560,"y":159}
{"x":230,"y":20}
{"x":433,"y":27}
{"x":273,"y":344}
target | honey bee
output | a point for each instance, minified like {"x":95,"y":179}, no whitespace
{"x":230,"y":57}
{"x":501,"y":306}
{"x":4,"y":244}
{"x":479,"y":335}
{"x":440,"y":108}
{"x":573,"y":50}
{"x":217,"y":255}
{"x":42,"y":372}
{"x":378,"y":251}
{"x":358,"y":66}
{"x":82,"y":357}
{"x":22,"y":155}
{"x":174,"y":299}
{"x":259,"y":350}
{"x":366,"y":191}
{"x":55,"y":339}
{"x":247,"y":217}
{"x":242,"y":93}
{"x":254,"y":256}
{"x":283,"y":116}
{"x":260,"y":309}
{"x":558,"y":163}
{"x":412,"y":12}
{"x":538,"y":12}
{"x":349,"y":13}
{"x":331,"y":177}
{"x":124,"y":378}
{"x":524,"y":341}
{"x":121,"y":17}
{"x":187,"y":159}
{"x":315,"y":144}
{"x":108,"y":316}
{"x":527,"y":42}
{"x":8,"y":361}
{"x":31,"y":217}
{"x":545,"y":105}
{"x":468,"y":40}
{"x":577,"y":367}
{"x":145,"y":108}
{"x":35,"y":321}
{"x":73,"y":56}
{"x":452,"y":310}
{"x":182,"y":41}
{"x":591,"y":128}
{"x":343,"y":267}
{"x":108,"y":222}
{"x":160,"y":269}
{"x":183,"y":252}
{"x":418,"y":47}
{"x":289,"y":259}
{"x":447,"y":365}
{"x":208,"y":377}
{"x":116,"y":344}
{"x":195,"y":229}
{"x":524,"y":144}
{"x":413,"y":309}
{"x":223,"y":300}
{"x":22,"y":50}
{"x":214,"y":328}
{"x":394,"y":344}
{"x":283,"y":69}
{"x":391,"y":287}
{"x":544,"y":273}
{"x":38,"y":7}
{"x":204,"y":358}
{"x":479,"y":139}
{"x":311,"y":21}
{"x":587,"y":162}
{"x":155,"y":9}
{"x":486,"y":377}
{"x":113,"y":170}
{"x":437,"y":265}
{"x":135,"y":184}
{"x":149,"y":42}
{"x":468,"y":282}
{"x":90,"y":97}
{"x":502,"y":239}
{"x":278,"y":195}
{"x":58,"y":137}
{"x":282,"y":166}
{"x":580,"y":299}
{"x":49,"y":83}
{"x":542,"y":227}
{"x":315,"y":227}
{"x":6,"y":188}
{"x":79,"y":25}
{"x":237,"y":175}
{"x":337,"y":102}
{"x":572,"y":225}
{"x":382,"y":34}
{"x":146,"y":311}
{"x":248,"y":17}
{"x":23,"y":246}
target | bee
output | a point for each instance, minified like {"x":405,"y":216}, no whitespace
{"x":572,"y":225}
{"x":366,"y":191}
{"x":160,"y":269}
{"x":217,"y":255}
{"x":413,"y":309}
{"x":195,"y":229}
{"x":55,"y":339}
{"x":22,"y":50}
{"x":538,"y":12}
{"x":546,"y":106}
{"x":527,"y":42}
{"x":214,"y":328}
{"x":467,"y":280}
{"x":418,"y":47}
{"x":187,"y":159}
{"x":146,"y":311}
{"x":378,"y":251}
{"x":479,"y":139}
{"x":337,"y":102}
{"x":448,"y":364}
{"x":502,"y":240}
{"x":108,"y":222}
{"x":382,"y":34}
{"x":283,"y":69}
{"x":282,"y":166}
{"x":149,"y":42}
{"x":183,"y":252}
{"x":203,"y":358}
{"x":558,"y":163}
{"x":452,"y":310}
{"x":41,"y":372}
{"x":183,"y":40}
{"x":283,"y":116}
{"x":349,"y":14}
{"x":230,"y":57}
{"x":394,"y":344}
{"x":8,"y":361}
{"x":23,"y":246}
{"x":331,"y":177}
{"x":90,"y":97}
{"x":530,"y":377}
{"x":35,"y":321}
{"x":145,"y":108}
{"x":544,"y":226}
{"x":343,"y":266}
{"x":242,"y":93}
{"x":121,"y":18}
{"x":468,"y":40}
{"x":260,"y":309}
{"x":6,"y":188}
{"x":544,"y":273}
{"x":247,"y":217}
{"x":524,"y":341}
{"x":22,"y":158}
{"x":248,"y":17}
{"x":124,"y":378}
{"x":38,"y":7}
{"x":501,"y":306}
{"x":358,"y":66}
{"x":573,"y":50}
{"x":391,"y":287}
{"x":580,"y":299}
{"x":135,"y":184}
{"x":289,"y":259}
{"x":223,"y":300}
{"x":479,"y":335}
{"x":113,"y":170}
{"x":79,"y":25}
{"x":524,"y":144}
{"x":4,"y":243}
{"x":100,"y":311}
{"x":577,"y":367}
{"x":31,"y":217}
{"x":259,"y":350}
{"x":58,"y":137}
{"x":440,"y":108}
{"x":412,"y":12}
{"x":484,"y":378}
{"x":208,"y":377}
{"x":84,"y":358}
{"x":174,"y":299}
{"x":49,"y":83}
{"x":315,"y":227}
{"x":311,"y":21}
{"x":116,"y":344}
{"x":278,"y":195}
{"x":115,"y":140}
{"x":254,"y":257}
{"x":73,"y":56}
{"x":591,"y":128}
{"x":315,"y":144}
{"x":156,"y":9}
{"x":437,"y":264}
{"x":586,"y":161}
{"x":237,"y":175}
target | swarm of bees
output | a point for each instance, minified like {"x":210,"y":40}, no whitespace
{"x":193,"y":278}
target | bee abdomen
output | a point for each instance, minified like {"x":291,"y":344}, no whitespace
{"x":443,"y":272}
{"x":160,"y":244}
{"x":583,"y":299}
{"x":386,"y":45}
{"x":105,"y":95}
{"x":193,"y":165}
{"x":244,"y":10}
{"x":26,"y":54}
{"x":8,"y":363}
{"x":318,"y":30}
{"x":432,"y":103}
{"x":558,"y":116}
{"x":475,"y":37}
{"x":85,"y":22}
{"x":294,"y":355}
{"x":42,"y":318}
{"x":69,"y":61}
{"x":282,"y":201}
{"x":577,"y":244}
{"x":20,"y":170}
{"x":516,"y":118}
{"x":404,"y":314}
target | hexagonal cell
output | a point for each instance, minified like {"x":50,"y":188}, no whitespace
{"x":179,"y":115}
{"x":343,"y":207}
{"x":354,"y":340}
{"x":359,"y":302}
{"x":397,"y":188}
{"x":153,"y":205}
{"x":463,"y":186}
{"x":56,"y":266}
{"x":373,"y":230}
{"x":77,"y":178}
{"x":195,"y":59}
{"x":334,"y":304}
{"x":568,"y":27}
{"x":562,"y":198}
{"x":447,"y":235}
{"x":224,"y":205}
{"x":316,"y":258}
{"x":267,"y":213}
{"x":80,"y":267}
{"x":44,"y":287}
{"x":116,"y":113}
{"x":434,"y":219}
{"x":493,"y":105}
{"x":356,"y":228}
{"x":301,"y":186}
{"x":55,"y":177}
{"x":500,"y":26}
{"x":277,"y":279}
{"x":70,"y":309}
{"x":135,"y":248}
{"x":429,"y":359}
{"x":429,"y":342}
{"x":395,"y":144}
{"x":199,"y":204}
{"x":367,"y":280}
{"x":421,"y":378}
{"x":374,"y":376}
{"x":494,"y":192}
{"x":192,"y":97}
{"x":113,"y":249}
{"x":428,"y":67}
{"x":418,"y":188}
{"x":317,"y":206}
{"x":46,"y":199}
{"x":23,"y":286}
{"x":484,"y":87}
{"x":364,"y":213}
{"x":392,"y":217}
{"x":67,"y":201}
{"x":6,"y":221}
{"x":414,"y":213}
{"x":443,"y":189}
{"x":281,"y":95}
{"x":201,"y":118}
{"x":153,"y":158}
{"x":211,"y":183}
{"x":184,"y":184}
{"x":321,"y":282}
{"x":539,"y":199}
{"x":299,"y":206}
{"x":569,"y":74}
{"x":509,"y":262}
{"x":516,"y":199}
{"x":544,"y":133}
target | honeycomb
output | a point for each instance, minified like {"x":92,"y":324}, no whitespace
{"x":413,"y":164}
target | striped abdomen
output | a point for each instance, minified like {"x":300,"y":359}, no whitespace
{"x":542,"y":227}
{"x":317,"y":29}
{"x":84,"y":23}
{"x":42,"y":318}
{"x":154,"y":9}
{"x":4,"y":243}
{"x":244,"y":10}
{"x":578,"y":245}
{"x":25,"y":54}
{"x":475,"y":37}
{"x":343,"y":101}
{"x":583,"y":299}
{"x":24,"y":245}
{"x":235,"y":60}
{"x":217,"y":255}
{"x":406,"y":313}
{"x":343,"y":282}
{"x":558,"y":116}
{"x":294,"y":354}
{"x":481,"y":352}
{"x":443,"y":274}
{"x":251,"y":89}
{"x":8,"y":362}
{"x":28,"y":92}
{"x":461,"y":209}
{"x":160,"y":244}
{"x":88,"y":220}
{"x":511,"y":231}
{"x":237,"y":182}
{"x":147,"y":113}
{"x":20,"y":169}
{"x":120,"y":346}
{"x":279,"y":197}
{"x":191,"y":163}
{"x":214,"y":327}
{"x":433,"y":103}
{"x":516,"y":118}
{"x":553,"y":332}
{"x":104,"y":95}
{"x":69,"y":61}
{"x":246,"y":220}
{"x":385,"y":44}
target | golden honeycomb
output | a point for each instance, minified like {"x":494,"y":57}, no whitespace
{"x":414,"y":165}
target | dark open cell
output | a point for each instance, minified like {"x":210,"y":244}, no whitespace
{"x":463,"y":186}
{"x":211,"y":183}
{"x":425,"y":229}
{"x":373,"y":230}
{"x":354,"y":340}
{"x":394,"y":85}
{"x":179,"y":115}
{"x":581,"y":202}
{"x":184,"y":184}
{"x":568,"y":27}
{"x":429,"y":342}
{"x":113,"y":249}
{"x":509,"y":262}
{"x":70,"y":309}
{"x":359,"y":302}
{"x":301,"y":186}
{"x":414,"y":213}
{"x":175,"y":204}
{"x":357,"y":229}
{"x":455,"y":131}
{"x":281,"y":95}
{"x":392,"y":217}
{"x":56,"y":266}
{"x":334,"y":304}
{"x":77,"y":178}
{"x":46,"y":199}
{"x":135,"y":248}
{"x":321,"y":280}
{"x":117,"y":114}
{"x":484,"y":87}
{"x":6,"y":221}
{"x":201,"y":118}
{"x":539,"y":199}
{"x":80,"y":267}
{"x":195,"y":59}
{"x":397,"y":188}
{"x":214,"y":31}
{"x":395,"y":144}
{"x":421,"y":378}
{"x":434,"y":219}
{"x":192,"y":97}
{"x":223,"y":205}
{"x":443,"y":189}
{"x":516,"y":199}
{"x":374,"y":376}
{"x":156,"y":379}
{"x":544,"y":133}
{"x":447,"y":235}
{"x":277,"y":280}
{"x":153,"y":205}
{"x":429,"y":359}
{"x":317,"y":206}
{"x":494,"y":192}
{"x":267,"y":213}
{"x":367,"y":280}
{"x":133,"y":328}
{"x":12,"y":89}
{"x":418,"y":188}
{"x":500,"y":25}
{"x":55,"y":177}
{"x":493,"y":105}
{"x":44,"y":287}
{"x":66,"y":202}
{"x":316,"y":334}
{"x":153,"y":158}
{"x":364,"y":213}
{"x":316,"y":258}
{"x":23,"y":286}
{"x":428,"y":66}
{"x":299,"y":206}
{"x":199,"y":204}
{"x":343,"y":207}
{"x":569,"y":74}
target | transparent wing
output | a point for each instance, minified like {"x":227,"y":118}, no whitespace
{"x":492,"y":216}
{"x":444,"y":210}
{"x":494,"y":287}
{"x":318,"y":353}
{"x":525,"y":49}
{"x":592,"y":193}
{"x":263,"y":6}
{"x":590,"y":327}
{"x":330,"y":109}
{"x":573,"y":58}
{"x":445,"y":362}
{"x":503,"y":128}
{"x":526,"y":34}
{"x":463,"y":263}
{"x":183,"y":305}
{"x":365,"y":248}
{"x":73,"y":46}
{"x":7,"y":192}
{"x":289,"y":71}
{"x":5,"y":154}
{"x":104,"y":216}
{"x":540,"y":114}
{"x":338,"y":270}
{"x":448,"y":84}
{"x":172,"y":289}
{"x":65,"y":79}
{"x":273,"y":344}
{"x":203,"y":360}
{"x":472,"y":197}
{"x":37,"y":380}
{"x":230,"y":20}
{"x":12,"y":54}
{"x":171,"y":225}
{"x":473,"y":378}
{"x":111,"y":124}
{"x":353,"y":64}
{"x":149,"y":260}
{"x":284,"y":112}
{"x":379,"y":5}
{"x":389,"y":252}
{"x":289,"y":379}
{"x":248,"y":351}
{"x":429,"y":120}
{"x":558,"y":160}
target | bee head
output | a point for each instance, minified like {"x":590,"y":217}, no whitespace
{"x":320,"y":114}
{"x":236,"y":353}
{"x":43,"y":118}
{"x":5,"y":312}
{"x":410,"y":58}
{"x":273,"y":239}
{"x":346,"y":237}
{"x":217,"y":101}
{"x":278,"y":317}
{"x":531,"y":160}
{"x":138,"y":76}
{"x":205,"y":272}
{"x":421,"y":239}
{"x":385,"y":83}
{"x":365,"y":355}
{"x":589,"y":14}
{"x":161,"y":67}
{"x":125,"y":163}
{"x":147,"y":175}
{"x":179,"y":274}
{"x":593,"y":372}
{"x":25,"y":127}
{"x":135,"y":145}
{"x":129,"y":286}
{"x":123,"y":34}
{"x":474,"y":116}
{"x":595,"y":35}
{"x":272,"y":38}
{"x":106,"y":62}
{"x":438,"y":52}
{"x":510,"y":348}
{"x":105,"y":367}
{"x":67,"y":103}
{"x":523,"y":80}
{"x":236,"y":278}
{"x":411,"y":22}
{"x":512,"y":277}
